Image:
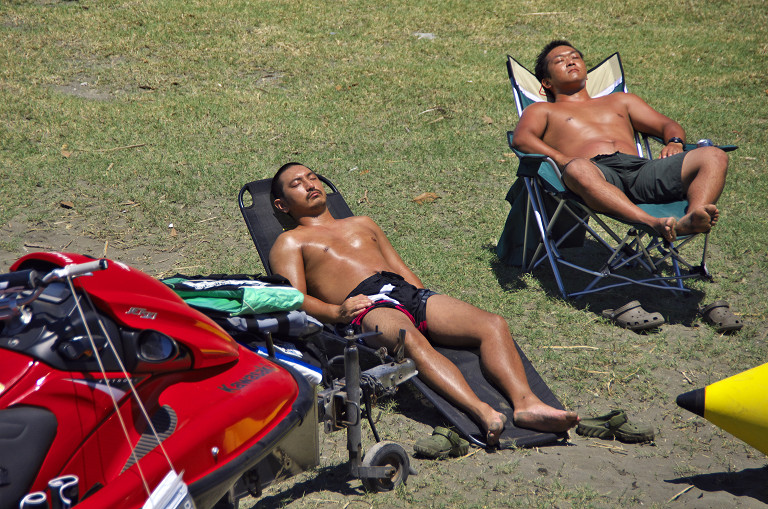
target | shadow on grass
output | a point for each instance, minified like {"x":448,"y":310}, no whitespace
{"x":750,"y":482}
{"x":335,"y":478}
{"x":675,"y":307}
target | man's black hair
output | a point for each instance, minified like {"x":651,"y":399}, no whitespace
{"x":541,"y":71}
{"x":275,"y":189}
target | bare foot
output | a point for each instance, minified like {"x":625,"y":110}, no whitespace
{"x":714,"y":214}
{"x":495,"y":426}
{"x":666,"y":227}
{"x":698,"y":220}
{"x":543,"y":417}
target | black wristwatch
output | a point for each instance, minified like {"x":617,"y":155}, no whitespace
{"x":675,"y":139}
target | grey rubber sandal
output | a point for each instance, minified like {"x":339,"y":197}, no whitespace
{"x":632,"y":316}
{"x":719,"y":315}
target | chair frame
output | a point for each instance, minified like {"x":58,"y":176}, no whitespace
{"x":641,"y":247}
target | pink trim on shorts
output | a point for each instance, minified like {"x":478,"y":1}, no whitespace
{"x":358,"y":320}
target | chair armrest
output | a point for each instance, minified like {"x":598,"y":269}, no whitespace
{"x":530,"y":164}
{"x":519,"y":154}
{"x":691,"y":146}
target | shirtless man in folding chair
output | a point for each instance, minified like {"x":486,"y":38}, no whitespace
{"x":592,"y":141}
{"x":340,"y":263}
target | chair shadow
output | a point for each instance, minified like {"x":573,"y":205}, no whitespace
{"x":411,"y":403}
{"x":750,"y":482}
{"x":335,"y":478}
{"x":675,"y":307}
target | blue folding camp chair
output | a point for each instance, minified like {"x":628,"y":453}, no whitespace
{"x":546,"y":218}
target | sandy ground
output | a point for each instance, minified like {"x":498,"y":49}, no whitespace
{"x":690,"y":464}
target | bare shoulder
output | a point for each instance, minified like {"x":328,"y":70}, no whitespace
{"x":533,"y":121}
{"x":624,"y":98}
{"x":538,"y":109}
{"x":286,"y":254}
{"x":361,"y":220}
{"x":358,"y":222}
{"x":290,"y":239}
{"x":365,"y":224}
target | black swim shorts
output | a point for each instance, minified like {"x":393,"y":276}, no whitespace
{"x":644,"y":180}
{"x":410,"y":300}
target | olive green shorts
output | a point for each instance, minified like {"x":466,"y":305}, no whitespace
{"x":644,"y":180}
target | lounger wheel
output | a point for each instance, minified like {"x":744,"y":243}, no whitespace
{"x":386,"y":454}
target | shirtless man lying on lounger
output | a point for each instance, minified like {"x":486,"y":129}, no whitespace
{"x":592,"y":141}
{"x":343,"y":265}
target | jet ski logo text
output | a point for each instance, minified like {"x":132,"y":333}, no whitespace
{"x":142,"y":313}
{"x":248,"y":379}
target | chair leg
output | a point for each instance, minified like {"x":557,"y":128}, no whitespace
{"x":637,"y":250}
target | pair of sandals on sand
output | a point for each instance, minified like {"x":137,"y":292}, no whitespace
{"x":632,"y":316}
{"x":444,"y":442}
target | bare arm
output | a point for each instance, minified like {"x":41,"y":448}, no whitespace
{"x":286,"y":259}
{"x":529,"y":134}
{"x":647,"y":120}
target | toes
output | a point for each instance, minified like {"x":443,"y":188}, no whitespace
{"x":495,"y":430}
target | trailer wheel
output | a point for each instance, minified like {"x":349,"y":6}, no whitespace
{"x":386,"y":454}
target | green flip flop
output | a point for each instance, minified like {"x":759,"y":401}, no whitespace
{"x":631,"y":433}
{"x":615,"y":424}
{"x":443,"y":443}
{"x":603,"y":426}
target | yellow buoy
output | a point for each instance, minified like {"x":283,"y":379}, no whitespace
{"x":738,"y":404}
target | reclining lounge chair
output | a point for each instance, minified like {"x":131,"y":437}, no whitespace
{"x":265,"y":223}
{"x":546,"y":218}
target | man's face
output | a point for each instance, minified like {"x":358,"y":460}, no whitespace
{"x":565,"y":64}
{"x":302,"y":189}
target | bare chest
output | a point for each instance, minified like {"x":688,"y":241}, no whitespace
{"x":593,"y":116}
{"x":337,"y":261}
{"x":340,"y":244}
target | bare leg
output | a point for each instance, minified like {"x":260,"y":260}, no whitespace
{"x":440,"y":373}
{"x":456,"y":323}
{"x":585,"y":179}
{"x":703,"y":173}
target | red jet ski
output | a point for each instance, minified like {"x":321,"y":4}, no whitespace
{"x":109,"y":382}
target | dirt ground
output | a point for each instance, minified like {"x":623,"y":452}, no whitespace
{"x":690,"y":464}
